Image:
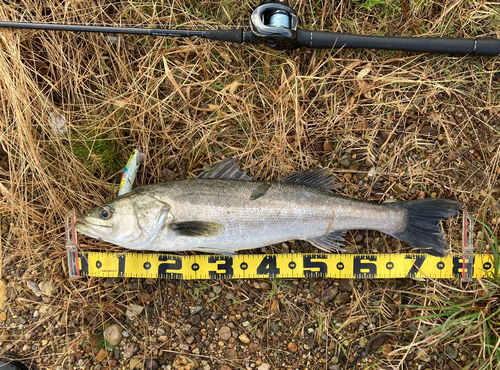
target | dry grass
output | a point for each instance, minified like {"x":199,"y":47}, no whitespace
{"x":430,"y":123}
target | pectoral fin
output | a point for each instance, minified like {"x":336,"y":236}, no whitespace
{"x":329,"y":242}
{"x":196,"y":228}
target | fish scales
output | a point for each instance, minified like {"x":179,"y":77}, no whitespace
{"x":287,"y":211}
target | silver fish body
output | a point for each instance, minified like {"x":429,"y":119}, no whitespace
{"x":225,"y":214}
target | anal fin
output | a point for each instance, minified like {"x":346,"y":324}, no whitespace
{"x":329,"y":242}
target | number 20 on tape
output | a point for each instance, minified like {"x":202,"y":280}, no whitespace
{"x":341,"y":266}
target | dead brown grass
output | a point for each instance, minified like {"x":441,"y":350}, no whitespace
{"x":430,"y":124}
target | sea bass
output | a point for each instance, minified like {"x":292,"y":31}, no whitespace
{"x":223,"y":211}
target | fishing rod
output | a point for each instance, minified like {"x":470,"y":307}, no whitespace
{"x":274,"y":24}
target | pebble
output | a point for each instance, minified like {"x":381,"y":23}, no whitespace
{"x":35,"y":314}
{"x":254,"y":347}
{"x":3,"y":316}
{"x":330,"y":293}
{"x":274,"y":327}
{"x":184,"y":347}
{"x":130,"y":349}
{"x":244,"y":338}
{"x":5,"y":335}
{"x":113,"y":335}
{"x":225,"y":367}
{"x":345,"y":285}
{"x":292,"y":347}
{"x":22,"y":321}
{"x":135,"y":363}
{"x":113,"y":362}
{"x":362,"y":342}
{"x":225,"y":333}
{"x":46,"y":288}
{"x":264,"y":285}
{"x":260,"y":334}
{"x":151,"y":364}
{"x":342,"y":298}
{"x":195,"y":309}
{"x":160,"y":331}
{"x":133,"y":311}
{"x":216,"y":315}
{"x":264,"y":367}
{"x":345,"y":161}
{"x":125,"y":334}
{"x":217,"y":289}
{"x":195,"y":320}
{"x":101,"y":355}
{"x":358,"y":238}
{"x":231,"y":353}
{"x":452,"y":352}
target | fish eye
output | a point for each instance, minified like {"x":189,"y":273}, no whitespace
{"x":105,"y":212}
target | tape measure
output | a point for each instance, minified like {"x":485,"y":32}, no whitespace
{"x":294,"y":265}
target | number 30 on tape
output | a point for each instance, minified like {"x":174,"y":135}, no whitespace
{"x":340,"y":266}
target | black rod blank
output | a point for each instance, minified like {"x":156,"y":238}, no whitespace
{"x":456,"y":46}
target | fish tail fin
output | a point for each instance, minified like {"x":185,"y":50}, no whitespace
{"x":422,"y":229}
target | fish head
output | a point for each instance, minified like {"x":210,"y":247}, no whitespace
{"x":132,"y":220}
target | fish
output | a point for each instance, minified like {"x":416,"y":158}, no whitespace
{"x":224,"y":210}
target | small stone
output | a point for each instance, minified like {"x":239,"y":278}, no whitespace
{"x":244,"y":338}
{"x":358,"y":238}
{"x":160,"y":331}
{"x":113,"y":362}
{"x":3,"y":316}
{"x":184,"y":347}
{"x":231,"y":353}
{"x":292,"y":347}
{"x":163,"y":338}
{"x":151,"y":364}
{"x":190,"y":339}
{"x":400,"y":188}
{"x":225,"y":333}
{"x":342,"y":298}
{"x":133,"y":311}
{"x":195,"y":320}
{"x":46,"y":288}
{"x":254,"y":347}
{"x":130,"y":349}
{"x":452,"y":352}
{"x":264,"y":285}
{"x":5,"y":335}
{"x":274,"y":327}
{"x":194,"y":310}
{"x":125,"y":334}
{"x":362,"y":342}
{"x":113,"y":335}
{"x":264,"y":367}
{"x":345,"y":285}
{"x":260,"y":334}
{"x":345,"y":161}
{"x":275,"y":306}
{"x":330,"y":293}
{"x":135,"y":363}
{"x":216,"y":315}
{"x":101,"y":355}
{"x":22,"y":321}
{"x":44,"y":309}
{"x":225,"y":367}
{"x":217,"y":289}
{"x":434,"y":195}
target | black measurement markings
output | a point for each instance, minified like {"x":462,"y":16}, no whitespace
{"x":167,"y":269}
{"x":222,"y":263}
{"x":314,"y":265}
{"x":364,"y":266}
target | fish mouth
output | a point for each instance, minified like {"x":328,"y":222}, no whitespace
{"x":94,"y":231}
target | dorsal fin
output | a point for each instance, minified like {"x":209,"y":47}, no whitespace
{"x":228,"y":169}
{"x":320,"y":178}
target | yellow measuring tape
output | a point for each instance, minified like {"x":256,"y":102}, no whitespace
{"x":252,"y":266}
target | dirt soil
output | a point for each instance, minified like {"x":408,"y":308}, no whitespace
{"x":392,"y":126}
